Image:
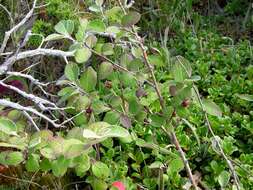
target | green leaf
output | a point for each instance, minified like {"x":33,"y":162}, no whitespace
{"x":96,"y":26}
{"x":73,"y":148}
{"x":65,"y":27}
{"x":175,"y":166}
{"x":60,"y":166}
{"x":102,"y":130}
{"x":52,"y":37}
{"x":83,"y":165}
{"x":91,"y":41}
{"x":223,"y":178}
{"x":45,"y":165}
{"x":105,"y":69}
{"x":100,"y":170}
{"x":32,"y":164}
{"x":69,"y":148}
{"x":107,"y":49}
{"x":181,"y":69}
{"x":99,"y":185}
{"x":72,"y":71}
{"x":80,"y":35}
{"x":82,"y":55}
{"x":156,"y":60}
{"x":12,"y":158}
{"x":8,"y":127}
{"x":246,"y":97}
{"x":211,"y":108}
{"x":88,"y":80}
{"x":99,"y":107}
{"x":113,"y":30}
{"x":130,"y":19}
{"x":112,"y":117}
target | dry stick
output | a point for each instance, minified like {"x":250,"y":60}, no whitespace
{"x":183,"y":157}
{"x":31,"y":120}
{"x":37,"y":100}
{"x":230,"y":165}
{"x":31,"y":53}
{"x":17,"y":106}
{"x":31,"y":78}
{"x":16,"y":27}
{"x":176,"y":142}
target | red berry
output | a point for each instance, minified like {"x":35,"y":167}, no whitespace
{"x":119,"y":185}
{"x":186,"y":103}
{"x":89,"y":110}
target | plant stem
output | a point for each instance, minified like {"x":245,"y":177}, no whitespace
{"x":230,"y":165}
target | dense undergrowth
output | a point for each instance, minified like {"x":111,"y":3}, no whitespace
{"x":165,"y":105}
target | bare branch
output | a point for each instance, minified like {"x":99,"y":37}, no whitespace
{"x":29,"y":77}
{"x":16,"y":27}
{"x":7,"y":103}
{"x":37,"y":100}
{"x":31,"y":53}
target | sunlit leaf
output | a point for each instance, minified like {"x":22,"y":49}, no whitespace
{"x":8,"y":127}
{"x":65,"y":27}
{"x":100,"y":170}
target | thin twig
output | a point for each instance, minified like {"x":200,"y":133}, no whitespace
{"x":230,"y":165}
{"x":183,"y":157}
{"x":31,"y":120}
{"x":21,"y":180}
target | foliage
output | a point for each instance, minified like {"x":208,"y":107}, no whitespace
{"x":125,"y":102}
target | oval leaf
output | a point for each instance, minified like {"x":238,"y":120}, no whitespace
{"x":65,"y":27}
{"x":82,"y":55}
{"x":72,"y":71}
{"x":105,"y":69}
{"x":211,"y":108}
{"x":88,"y":79}
{"x":8,"y":127}
{"x":131,"y":19}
